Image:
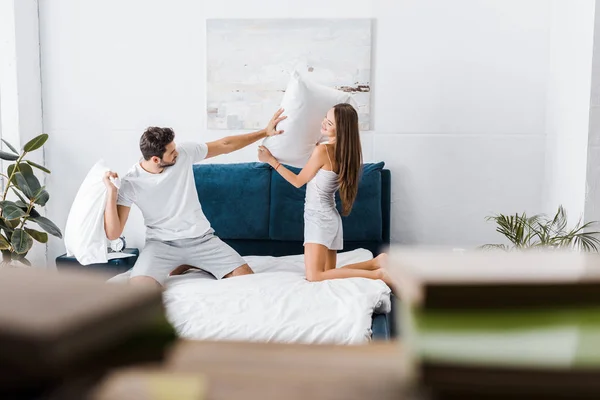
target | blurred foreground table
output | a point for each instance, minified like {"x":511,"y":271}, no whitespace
{"x":227,"y":370}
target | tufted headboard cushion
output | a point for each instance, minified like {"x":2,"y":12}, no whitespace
{"x":253,"y":209}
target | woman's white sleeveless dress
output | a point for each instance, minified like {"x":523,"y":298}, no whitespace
{"x":322,"y":221}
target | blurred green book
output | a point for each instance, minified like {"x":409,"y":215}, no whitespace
{"x":542,"y":338}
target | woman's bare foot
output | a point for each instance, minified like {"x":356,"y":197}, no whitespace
{"x":384,"y":275}
{"x":381,"y":260}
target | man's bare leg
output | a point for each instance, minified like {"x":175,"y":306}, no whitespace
{"x":182,"y":269}
{"x":239,"y":271}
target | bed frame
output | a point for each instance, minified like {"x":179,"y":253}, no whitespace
{"x":258,"y":213}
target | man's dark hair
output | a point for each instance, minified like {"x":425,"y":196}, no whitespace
{"x":154,"y":141}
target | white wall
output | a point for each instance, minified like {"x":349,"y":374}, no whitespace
{"x":459,"y":97}
{"x":21,"y":89}
{"x":592,"y":200}
{"x":568,"y":106}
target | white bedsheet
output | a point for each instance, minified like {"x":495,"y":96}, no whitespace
{"x":277,"y":304}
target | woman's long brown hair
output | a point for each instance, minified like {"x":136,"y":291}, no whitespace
{"x":348,"y":154}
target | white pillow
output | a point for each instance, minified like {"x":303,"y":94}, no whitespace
{"x":85,"y":237}
{"x":305,"y":103}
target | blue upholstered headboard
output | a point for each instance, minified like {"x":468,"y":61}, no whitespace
{"x":253,"y":209}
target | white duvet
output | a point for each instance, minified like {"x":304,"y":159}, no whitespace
{"x":277,"y":304}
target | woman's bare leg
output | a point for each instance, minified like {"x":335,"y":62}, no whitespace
{"x":371,"y":265}
{"x":315,"y":259}
{"x":331,"y":259}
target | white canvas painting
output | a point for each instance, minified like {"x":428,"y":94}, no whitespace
{"x":249,"y":64}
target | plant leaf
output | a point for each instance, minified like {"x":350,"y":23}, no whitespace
{"x":47,"y":225}
{"x":9,"y":171}
{"x":36,"y":142}
{"x":33,"y":213}
{"x":22,"y":185}
{"x":577,"y":229}
{"x":533,"y":224}
{"x":21,"y":241}
{"x":4,"y":245}
{"x":23,"y":260}
{"x":41,"y":197}
{"x":38,"y":166}
{"x":11,"y":211}
{"x":494,"y":247}
{"x":507,"y":226}
{"x":41,"y":237}
{"x":6,"y":227}
{"x":8,"y":156}
{"x":23,"y":167}
{"x":540,"y":231}
{"x":10,"y":147}
{"x":19,"y":195}
{"x":586,"y":241}
{"x":561,"y":222}
{"x":22,"y":205}
{"x":32,"y":181}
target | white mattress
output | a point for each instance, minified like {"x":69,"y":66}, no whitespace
{"x":277,"y":304}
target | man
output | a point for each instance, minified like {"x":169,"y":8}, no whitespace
{"x":162,"y":186}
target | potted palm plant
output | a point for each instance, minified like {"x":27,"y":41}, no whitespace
{"x":19,"y":214}
{"x":541,"y":232}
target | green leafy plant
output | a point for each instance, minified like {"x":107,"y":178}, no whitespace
{"x":539,"y":231}
{"x":16,"y":232}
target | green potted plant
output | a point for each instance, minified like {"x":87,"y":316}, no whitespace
{"x":16,"y":230}
{"x":541,"y":232}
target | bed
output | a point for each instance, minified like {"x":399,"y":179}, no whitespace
{"x":260,"y":215}
{"x":265,"y":217}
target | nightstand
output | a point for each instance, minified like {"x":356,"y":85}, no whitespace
{"x":114,"y":266}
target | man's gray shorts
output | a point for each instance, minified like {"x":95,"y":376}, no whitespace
{"x":208,"y":252}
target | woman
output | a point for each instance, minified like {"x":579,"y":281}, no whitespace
{"x":331,"y":167}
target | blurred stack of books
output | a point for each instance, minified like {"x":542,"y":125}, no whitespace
{"x":500,"y":325}
{"x":60,"y":333}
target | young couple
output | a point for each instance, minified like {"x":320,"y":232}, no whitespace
{"x":178,"y":235}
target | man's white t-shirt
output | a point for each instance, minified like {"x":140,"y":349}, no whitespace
{"x":168,"y":201}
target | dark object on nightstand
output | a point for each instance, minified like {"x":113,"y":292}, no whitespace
{"x":114,"y":266}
